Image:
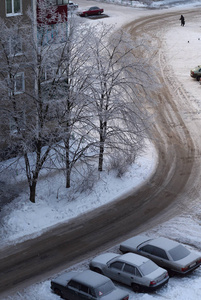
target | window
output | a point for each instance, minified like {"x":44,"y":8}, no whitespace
{"x":147,"y":249}
{"x":117,"y":265}
{"x":15,"y":46}
{"x":148,"y":267}
{"x":129,"y":269}
{"x":13,"y":7}
{"x":74,"y":285}
{"x":85,"y":289}
{"x":154,"y":251}
{"x":179,"y":252}
{"x":104,"y":289}
{"x":132,"y":270}
{"x":159,"y":253}
{"x":59,"y":2}
{"x":19,"y":85}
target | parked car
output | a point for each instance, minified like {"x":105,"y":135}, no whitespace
{"x":196,"y":73}
{"x":167,"y":253}
{"x":72,"y":5}
{"x":86,"y":285}
{"x":95,"y":10}
{"x":131,"y":269}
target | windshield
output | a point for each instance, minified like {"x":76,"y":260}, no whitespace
{"x":179,"y":252}
{"x":148,"y":267}
{"x":105,"y":289}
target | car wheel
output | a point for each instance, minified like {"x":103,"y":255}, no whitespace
{"x":99,"y":13}
{"x":171,"y":273}
{"x":97,"y":270}
{"x":58,"y":292}
{"x":86,"y":15}
{"x":198,"y":78}
{"x":136,"y":287}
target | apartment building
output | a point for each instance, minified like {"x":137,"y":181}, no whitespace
{"x":18,"y":79}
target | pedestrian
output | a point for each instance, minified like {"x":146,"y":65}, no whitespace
{"x":182,"y":20}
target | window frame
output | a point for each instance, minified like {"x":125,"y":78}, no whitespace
{"x":126,"y":269}
{"x":116,"y":263}
{"x":22,"y":90}
{"x":18,"y":44}
{"x":10,"y":14}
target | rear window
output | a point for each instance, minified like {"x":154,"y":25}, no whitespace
{"x":105,"y":289}
{"x":179,"y":252}
{"x":148,"y":267}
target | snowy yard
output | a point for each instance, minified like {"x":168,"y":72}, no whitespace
{"x":52,"y":208}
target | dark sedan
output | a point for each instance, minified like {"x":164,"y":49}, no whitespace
{"x":95,"y":10}
{"x":86,"y":285}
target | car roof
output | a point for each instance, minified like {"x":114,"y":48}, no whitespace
{"x":136,"y":259}
{"x":64,"y":278}
{"x":90,"y":278}
{"x":163,"y":243}
{"x":135,"y":241}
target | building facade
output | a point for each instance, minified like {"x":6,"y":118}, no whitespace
{"x":18,"y":82}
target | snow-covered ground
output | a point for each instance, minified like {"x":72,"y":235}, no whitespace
{"x":181,"y":45}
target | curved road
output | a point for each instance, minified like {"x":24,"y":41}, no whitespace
{"x":163,"y":196}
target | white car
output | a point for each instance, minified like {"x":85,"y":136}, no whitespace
{"x":167,"y":253}
{"x":131,"y":269}
{"x":72,"y":5}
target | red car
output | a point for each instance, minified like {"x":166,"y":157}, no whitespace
{"x":91,"y":11}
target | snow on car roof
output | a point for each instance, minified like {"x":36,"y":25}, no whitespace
{"x":64,"y":278}
{"x":136,"y":259}
{"x":90,"y":278}
{"x":163,"y":243}
{"x":135,"y":241}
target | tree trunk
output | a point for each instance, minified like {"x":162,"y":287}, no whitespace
{"x":67,"y":178}
{"x":100,"y":163}
{"x":32,"y":195}
{"x":68,"y":171}
{"x":103,"y":126}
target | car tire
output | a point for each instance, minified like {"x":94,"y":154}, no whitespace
{"x":171,"y":273}
{"x":198,"y":78}
{"x":86,"y":15}
{"x":136,"y":288}
{"x":58,"y":292}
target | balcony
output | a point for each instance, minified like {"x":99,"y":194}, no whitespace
{"x":52,"y":13}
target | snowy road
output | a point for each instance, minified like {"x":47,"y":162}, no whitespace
{"x":176,"y":177}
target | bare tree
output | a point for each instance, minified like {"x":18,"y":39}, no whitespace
{"x":119,"y":89}
{"x":73,"y":111}
{"x":84,"y":89}
{"x":30,"y":56}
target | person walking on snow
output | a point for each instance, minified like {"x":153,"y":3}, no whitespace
{"x":182,"y":20}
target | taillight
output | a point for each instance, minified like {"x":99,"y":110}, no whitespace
{"x":166,"y":274}
{"x":126,"y":298}
{"x":152,"y":282}
{"x":184,"y":269}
